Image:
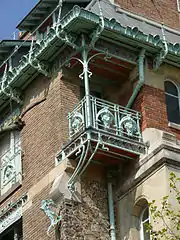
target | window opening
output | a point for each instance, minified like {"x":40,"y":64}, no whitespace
{"x":10,"y":160}
{"x":172,"y":102}
{"x":14,"y":232}
{"x":144,"y":220}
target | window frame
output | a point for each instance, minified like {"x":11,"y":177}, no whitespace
{"x":177,"y":85}
{"x":16,"y":228}
{"x":13,"y":154}
{"x":141,"y":222}
{"x":178,"y":5}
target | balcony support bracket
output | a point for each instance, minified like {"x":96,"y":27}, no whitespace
{"x":7,"y":89}
{"x":35,"y":63}
{"x":83,"y":162}
{"x":97,"y":33}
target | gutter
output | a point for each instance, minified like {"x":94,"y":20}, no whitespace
{"x":141,"y":78}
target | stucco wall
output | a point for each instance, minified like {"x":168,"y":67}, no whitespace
{"x":152,"y":188}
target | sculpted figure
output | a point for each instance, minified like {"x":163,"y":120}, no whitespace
{"x":46,"y":206}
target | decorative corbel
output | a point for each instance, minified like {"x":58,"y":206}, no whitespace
{"x":97,"y":32}
{"x":35,"y":63}
{"x":7,"y":89}
{"x":66,"y":38}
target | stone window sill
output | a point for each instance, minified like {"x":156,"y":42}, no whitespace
{"x":174,"y":125}
{"x":15,"y":187}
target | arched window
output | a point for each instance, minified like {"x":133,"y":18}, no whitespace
{"x":144,"y":220}
{"x":172,"y":102}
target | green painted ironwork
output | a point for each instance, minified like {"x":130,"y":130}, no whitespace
{"x":109,"y":28}
{"x":46,"y":207}
{"x":7,"y":90}
{"x":100,"y":27}
{"x":107,"y":117}
{"x":141,"y":78}
{"x":163,"y":53}
{"x":111,"y":211}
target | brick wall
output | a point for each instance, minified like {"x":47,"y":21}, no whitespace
{"x":158,"y":10}
{"x":45,"y":130}
{"x":151,"y":103}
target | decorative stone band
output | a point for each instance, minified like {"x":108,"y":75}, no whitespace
{"x":11,"y":213}
{"x":9,"y":220}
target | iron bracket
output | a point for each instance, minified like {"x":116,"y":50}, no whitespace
{"x":8,"y":90}
{"x":163,"y":53}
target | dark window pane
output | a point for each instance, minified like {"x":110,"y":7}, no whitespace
{"x":172,"y":105}
{"x":171,"y":88}
{"x":9,"y":236}
{"x":146,"y":214}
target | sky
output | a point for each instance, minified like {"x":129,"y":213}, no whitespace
{"x":11,"y":13}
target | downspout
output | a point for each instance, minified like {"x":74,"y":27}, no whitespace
{"x":111,"y":211}
{"x":141,"y":78}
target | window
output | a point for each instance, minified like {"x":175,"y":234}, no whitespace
{"x":172,"y":102}
{"x":14,"y":232}
{"x":10,"y":160}
{"x":144,"y":219}
{"x":178,"y":5}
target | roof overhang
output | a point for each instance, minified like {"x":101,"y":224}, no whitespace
{"x":40,"y":12}
{"x":79,"y":21}
{"x":8,"y":46}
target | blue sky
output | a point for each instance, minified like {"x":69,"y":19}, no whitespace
{"x":11,"y":13}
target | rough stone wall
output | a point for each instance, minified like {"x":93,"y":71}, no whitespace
{"x":165,"y":11}
{"x":87,"y":220}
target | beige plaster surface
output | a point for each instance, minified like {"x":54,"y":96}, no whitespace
{"x":165,"y":72}
{"x":153,"y":188}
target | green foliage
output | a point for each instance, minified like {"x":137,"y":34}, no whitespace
{"x":167,"y":218}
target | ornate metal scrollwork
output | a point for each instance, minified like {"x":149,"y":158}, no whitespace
{"x":128,"y":125}
{"x":105,"y":116}
{"x":77,"y":122}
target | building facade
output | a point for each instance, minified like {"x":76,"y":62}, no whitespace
{"x":89,"y":118}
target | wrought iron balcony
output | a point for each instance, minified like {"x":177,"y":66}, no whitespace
{"x":116,"y":128}
{"x":107,"y":117}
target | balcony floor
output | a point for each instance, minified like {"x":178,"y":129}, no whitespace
{"x":112,"y":149}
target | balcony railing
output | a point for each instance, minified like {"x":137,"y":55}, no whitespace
{"x":106,"y":117}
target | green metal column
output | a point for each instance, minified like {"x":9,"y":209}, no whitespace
{"x":111,"y":212}
{"x":86,"y":83}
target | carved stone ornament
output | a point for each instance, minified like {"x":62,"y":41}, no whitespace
{"x":9,"y":173}
{"x":128,"y":125}
{"x":46,"y":207}
{"x":76,"y":122}
{"x":105,"y":116}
